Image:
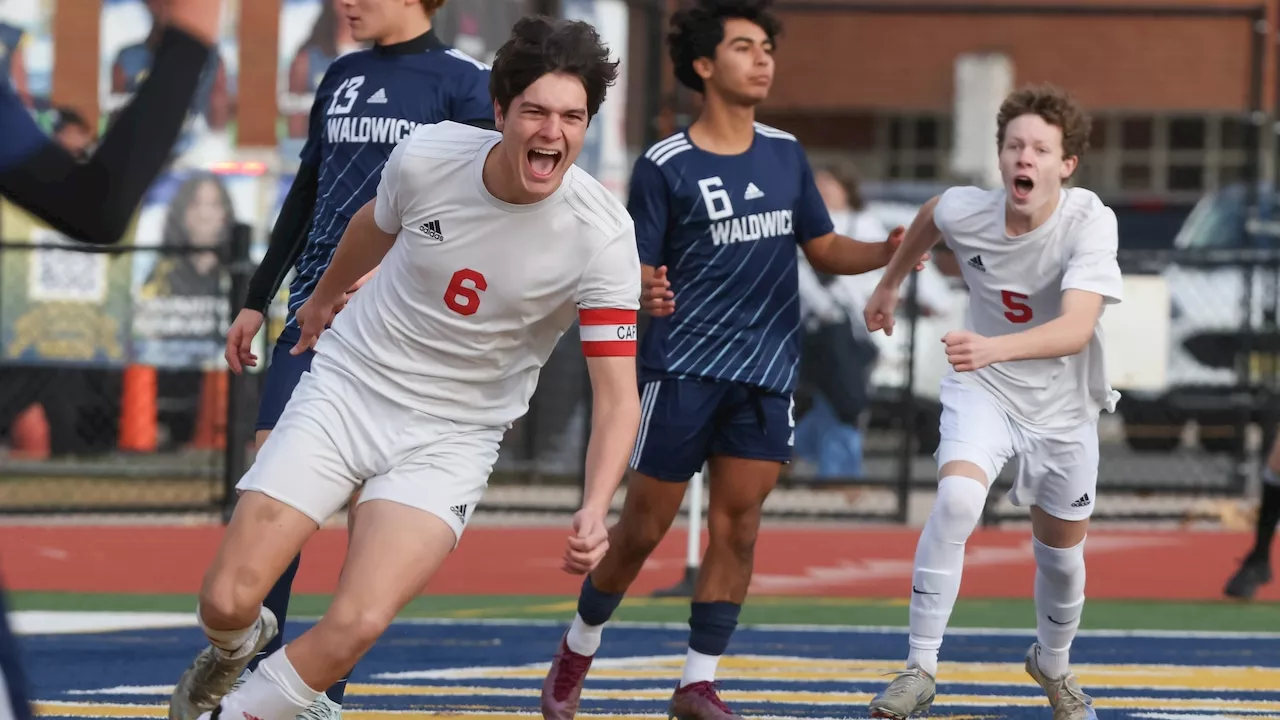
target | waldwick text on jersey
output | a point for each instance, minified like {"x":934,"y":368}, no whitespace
{"x":369,"y":129}
{"x":752,"y":227}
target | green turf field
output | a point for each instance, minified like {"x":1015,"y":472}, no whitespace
{"x":1099,"y":614}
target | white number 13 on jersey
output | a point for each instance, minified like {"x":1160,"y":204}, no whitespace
{"x":348,"y":92}
{"x":714,"y":194}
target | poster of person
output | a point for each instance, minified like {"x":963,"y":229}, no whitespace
{"x":26,"y":49}
{"x":180,"y":295}
{"x":127,"y":38}
{"x":313,"y":34}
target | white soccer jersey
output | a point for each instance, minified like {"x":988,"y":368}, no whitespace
{"x":475,"y":293}
{"x":1016,"y":283}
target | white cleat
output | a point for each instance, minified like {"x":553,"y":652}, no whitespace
{"x":1065,"y":696}
{"x":212,"y":675}
{"x":911,"y":693}
{"x":322,"y":709}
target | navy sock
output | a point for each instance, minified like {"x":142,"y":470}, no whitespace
{"x":337,"y":690}
{"x":594,"y":606}
{"x":711,"y":624}
{"x":277,"y":601}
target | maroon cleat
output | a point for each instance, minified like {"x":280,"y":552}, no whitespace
{"x":698,"y":701}
{"x":562,"y":689}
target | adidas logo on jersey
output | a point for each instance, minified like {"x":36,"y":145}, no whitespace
{"x":976,"y":263}
{"x":460,"y":511}
{"x":378,"y":98}
{"x":753,"y":192}
{"x":431,"y":229}
{"x":1083,"y":501}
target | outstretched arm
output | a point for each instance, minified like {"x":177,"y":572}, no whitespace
{"x":94,"y":202}
{"x":836,"y":254}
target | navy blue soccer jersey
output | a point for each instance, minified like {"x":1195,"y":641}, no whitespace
{"x":367,"y":102}
{"x":728,"y":228}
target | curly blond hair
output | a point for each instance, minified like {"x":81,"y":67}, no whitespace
{"x":1057,"y":107}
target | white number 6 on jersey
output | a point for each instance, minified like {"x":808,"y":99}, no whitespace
{"x":348,"y":91}
{"x":712,"y":196}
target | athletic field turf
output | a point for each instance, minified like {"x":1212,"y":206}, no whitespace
{"x":816,"y":642}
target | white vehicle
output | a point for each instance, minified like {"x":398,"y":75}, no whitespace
{"x":1209,"y":337}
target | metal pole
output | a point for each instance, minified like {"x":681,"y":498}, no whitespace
{"x":237,"y":438}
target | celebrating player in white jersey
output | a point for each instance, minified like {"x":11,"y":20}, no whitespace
{"x":491,"y":245}
{"x":1027,"y":383}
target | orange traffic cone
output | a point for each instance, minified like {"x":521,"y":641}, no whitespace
{"x":138,"y":410}
{"x":211,"y":423}
{"x":29,"y":435}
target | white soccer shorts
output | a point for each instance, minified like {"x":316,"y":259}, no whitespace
{"x":337,"y":435}
{"x":1057,"y":472}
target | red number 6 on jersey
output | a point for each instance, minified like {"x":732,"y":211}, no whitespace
{"x":463,"y":294}
{"x":1019,"y":312}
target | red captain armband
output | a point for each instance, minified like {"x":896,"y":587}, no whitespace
{"x":607,"y":333}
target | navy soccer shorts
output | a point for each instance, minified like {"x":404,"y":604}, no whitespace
{"x":684,"y":421}
{"x":283,"y":373}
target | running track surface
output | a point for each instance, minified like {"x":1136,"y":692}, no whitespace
{"x":852,"y":562}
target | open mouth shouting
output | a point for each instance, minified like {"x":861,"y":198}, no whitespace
{"x":543,"y":162}
{"x":1022,"y":186}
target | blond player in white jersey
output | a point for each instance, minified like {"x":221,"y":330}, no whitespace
{"x":491,"y":245}
{"x":1027,"y":383}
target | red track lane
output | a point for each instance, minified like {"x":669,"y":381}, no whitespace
{"x":854,"y":562}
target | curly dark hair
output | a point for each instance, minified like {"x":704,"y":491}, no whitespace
{"x":540,"y":45}
{"x":1057,"y":107}
{"x":698,"y":30}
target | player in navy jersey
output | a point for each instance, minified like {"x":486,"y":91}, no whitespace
{"x":721,"y":211}
{"x":93,"y":199}
{"x":367,"y":102}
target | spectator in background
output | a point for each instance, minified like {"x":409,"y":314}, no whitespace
{"x":838,"y":352}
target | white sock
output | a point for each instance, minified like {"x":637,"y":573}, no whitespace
{"x":699,"y":668}
{"x":935,"y":582}
{"x":232,"y":643}
{"x":1059,"y":603}
{"x":584,"y":639}
{"x":273,"y":692}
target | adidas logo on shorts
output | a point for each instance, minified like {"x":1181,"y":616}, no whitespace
{"x":460,"y":511}
{"x":1083,"y":501}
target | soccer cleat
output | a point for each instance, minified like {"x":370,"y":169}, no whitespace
{"x":1253,"y":574}
{"x":212,"y":675}
{"x":911,"y":693}
{"x":324,"y":708}
{"x":1065,"y":696}
{"x":698,"y":701}
{"x":562,"y":688}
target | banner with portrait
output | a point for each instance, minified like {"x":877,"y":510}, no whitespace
{"x":127,"y":37}
{"x":180,"y":279}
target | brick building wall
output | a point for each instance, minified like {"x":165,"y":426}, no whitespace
{"x":859,"y":60}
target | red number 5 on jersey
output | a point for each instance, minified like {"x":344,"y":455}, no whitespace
{"x":1019,"y":312}
{"x":463,"y":294}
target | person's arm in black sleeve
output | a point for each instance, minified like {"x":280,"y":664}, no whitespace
{"x":288,"y":237}
{"x":95,"y":201}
